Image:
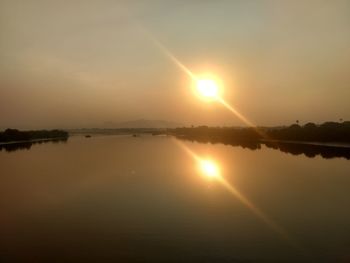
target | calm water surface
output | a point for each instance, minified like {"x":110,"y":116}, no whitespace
{"x":125,"y":199}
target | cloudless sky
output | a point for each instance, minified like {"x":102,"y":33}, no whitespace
{"x":70,"y":64}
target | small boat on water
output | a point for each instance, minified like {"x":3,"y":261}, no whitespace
{"x":88,"y":136}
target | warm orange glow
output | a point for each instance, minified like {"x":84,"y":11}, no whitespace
{"x":209,"y":168}
{"x":207,"y":88}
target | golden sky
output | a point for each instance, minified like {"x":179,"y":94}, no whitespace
{"x":70,"y":64}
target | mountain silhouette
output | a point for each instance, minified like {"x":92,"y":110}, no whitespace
{"x":143,"y":123}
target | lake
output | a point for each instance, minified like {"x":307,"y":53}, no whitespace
{"x":143,"y":199}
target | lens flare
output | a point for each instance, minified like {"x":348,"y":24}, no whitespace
{"x":206,"y":87}
{"x":209,"y":89}
{"x":212,"y":171}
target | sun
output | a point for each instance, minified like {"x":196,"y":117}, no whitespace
{"x":209,"y":168}
{"x":207,"y":88}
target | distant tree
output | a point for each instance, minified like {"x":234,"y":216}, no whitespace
{"x":310,"y":125}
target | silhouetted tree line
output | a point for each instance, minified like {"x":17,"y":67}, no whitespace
{"x":326,"y":132}
{"x":284,"y":139}
{"x":15,"y":135}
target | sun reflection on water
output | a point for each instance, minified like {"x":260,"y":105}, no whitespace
{"x":211,"y":170}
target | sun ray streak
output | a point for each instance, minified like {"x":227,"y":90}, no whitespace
{"x":235,"y":192}
{"x":245,"y":201}
{"x":187,"y":150}
{"x":172,"y":57}
{"x":242,"y":118}
{"x":235,"y":112}
{"x":195,"y":78}
{"x":254,"y":209}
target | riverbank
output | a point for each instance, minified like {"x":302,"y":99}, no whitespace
{"x":34,"y":141}
{"x":16,"y":136}
{"x":328,"y":133}
{"x":324,"y":144}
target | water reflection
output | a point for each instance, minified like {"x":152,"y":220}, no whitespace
{"x":309,"y":150}
{"x":121,"y":199}
{"x":312,"y":151}
{"x":211,"y":170}
{"x":11,"y":147}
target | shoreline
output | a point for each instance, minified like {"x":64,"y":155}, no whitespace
{"x":311,"y":143}
{"x":34,"y":140}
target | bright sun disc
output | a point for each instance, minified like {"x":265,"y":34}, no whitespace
{"x":207,"y":88}
{"x":209,"y":168}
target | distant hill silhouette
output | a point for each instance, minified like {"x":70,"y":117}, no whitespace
{"x":143,"y":123}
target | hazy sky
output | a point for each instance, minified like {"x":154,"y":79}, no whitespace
{"x":84,"y":63}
